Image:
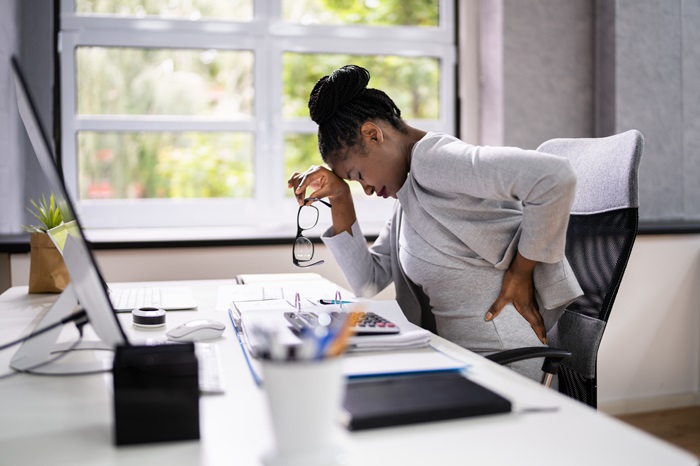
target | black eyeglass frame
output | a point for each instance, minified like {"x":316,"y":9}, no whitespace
{"x":300,"y":231}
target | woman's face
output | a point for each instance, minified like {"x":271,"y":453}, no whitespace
{"x":377,"y":162}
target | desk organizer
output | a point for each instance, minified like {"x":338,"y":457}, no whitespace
{"x":156,"y":394}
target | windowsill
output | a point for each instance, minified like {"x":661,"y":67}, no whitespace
{"x":185,"y":237}
{"x":149,"y":238}
{"x":14,"y":244}
{"x":142,"y":238}
{"x":668,"y":228}
{"x":181,"y":237}
{"x":117,"y":238}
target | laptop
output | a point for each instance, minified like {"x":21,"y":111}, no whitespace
{"x":123,"y":299}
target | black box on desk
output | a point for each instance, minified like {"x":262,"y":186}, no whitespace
{"x":156,"y":394}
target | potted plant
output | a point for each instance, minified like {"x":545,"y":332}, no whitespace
{"x":47,"y":271}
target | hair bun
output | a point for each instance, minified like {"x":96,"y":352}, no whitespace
{"x":333,"y":91}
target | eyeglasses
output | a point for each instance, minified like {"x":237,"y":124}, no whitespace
{"x":307,"y":218}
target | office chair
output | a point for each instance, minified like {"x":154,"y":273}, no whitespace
{"x":601,"y":233}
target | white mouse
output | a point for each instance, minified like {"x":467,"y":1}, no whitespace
{"x":196,"y":330}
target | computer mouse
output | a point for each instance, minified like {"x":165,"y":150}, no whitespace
{"x":196,"y":330}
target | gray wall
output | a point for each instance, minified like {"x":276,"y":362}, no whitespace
{"x":548,"y":70}
{"x":37,"y":60}
{"x":584,"y":68}
{"x":655,"y":87}
{"x":11,"y":185}
{"x":26,"y":31}
{"x":537,"y":70}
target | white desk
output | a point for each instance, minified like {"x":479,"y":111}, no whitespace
{"x":69,"y":420}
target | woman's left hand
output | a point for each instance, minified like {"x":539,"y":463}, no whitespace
{"x":519,"y":289}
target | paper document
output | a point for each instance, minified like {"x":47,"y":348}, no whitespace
{"x":367,"y":363}
{"x":281,"y":305}
{"x":308,"y":289}
{"x":411,"y":335}
{"x":270,"y":315}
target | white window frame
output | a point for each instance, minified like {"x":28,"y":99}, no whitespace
{"x":268,"y":37}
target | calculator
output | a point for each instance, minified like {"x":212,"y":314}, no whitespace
{"x":363,"y":323}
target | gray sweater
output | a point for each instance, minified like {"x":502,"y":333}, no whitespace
{"x":477,"y":206}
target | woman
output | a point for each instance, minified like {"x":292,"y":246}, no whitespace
{"x":477,"y":236}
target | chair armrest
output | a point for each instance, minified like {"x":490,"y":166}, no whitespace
{"x":552,"y":357}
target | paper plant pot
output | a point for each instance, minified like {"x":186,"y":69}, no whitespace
{"x":47,"y":271}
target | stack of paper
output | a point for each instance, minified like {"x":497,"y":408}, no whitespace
{"x":411,"y":335}
{"x":368,"y":355}
{"x":270,"y":314}
{"x":406,"y":339}
{"x":409,"y":351}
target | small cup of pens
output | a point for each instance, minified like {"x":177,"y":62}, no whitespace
{"x":305,"y":386}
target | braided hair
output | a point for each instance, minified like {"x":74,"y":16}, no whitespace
{"x":340,"y":103}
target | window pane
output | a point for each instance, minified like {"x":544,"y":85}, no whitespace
{"x":140,"y":81}
{"x":239,"y":10}
{"x":368,"y":12}
{"x":300,"y":152}
{"x":165,"y":165}
{"x":413,"y":83}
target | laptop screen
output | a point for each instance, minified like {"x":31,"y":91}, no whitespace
{"x":86,"y":279}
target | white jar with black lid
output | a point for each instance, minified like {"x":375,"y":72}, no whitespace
{"x":148,"y":317}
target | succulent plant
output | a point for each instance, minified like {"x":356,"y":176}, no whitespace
{"x":47,"y":212}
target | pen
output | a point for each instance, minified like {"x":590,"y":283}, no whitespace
{"x":325,"y":331}
{"x":307,"y":349}
{"x":340,"y":341}
{"x":333,"y":301}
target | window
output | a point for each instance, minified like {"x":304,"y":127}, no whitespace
{"x":193,"y":113}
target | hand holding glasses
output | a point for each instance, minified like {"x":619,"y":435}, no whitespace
{"x":307,"y":218}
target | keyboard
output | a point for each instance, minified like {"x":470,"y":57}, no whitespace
{"x":132,"y":298}
{"x":210,"y":376}
{"x":168,"y":298}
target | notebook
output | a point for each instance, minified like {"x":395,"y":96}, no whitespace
{"x":410,"y":399}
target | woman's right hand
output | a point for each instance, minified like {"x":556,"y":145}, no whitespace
{"x":322,"y":181}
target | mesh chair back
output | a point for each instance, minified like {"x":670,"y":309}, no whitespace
{"x":601,"y":233}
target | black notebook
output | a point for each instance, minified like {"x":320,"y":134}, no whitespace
{"x":410,"y":399}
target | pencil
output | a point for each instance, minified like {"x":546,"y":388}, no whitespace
{"x":340,"y":342}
